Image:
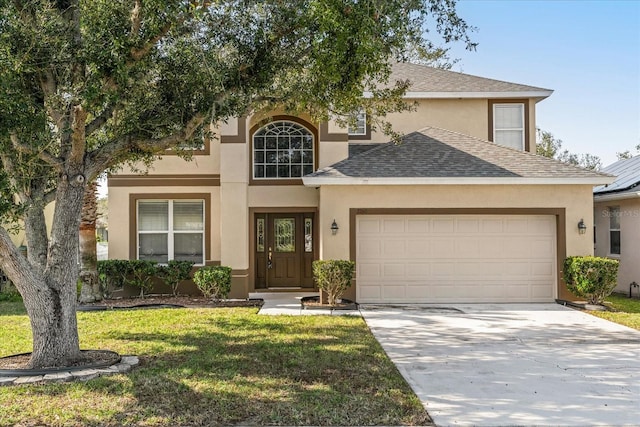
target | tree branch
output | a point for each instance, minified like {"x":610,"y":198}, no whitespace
{"x":112,"y":153}
{"x":43,"y":155}
{"x":100,"y":120}
{"x":138,"y":53}
{"x":78,"y":136}
{"x":136,"y":18}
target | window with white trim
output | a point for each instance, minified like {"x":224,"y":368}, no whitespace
{"x":282,"y":149}
{"x":360,"y":125}
{"x":508,"y":125}
{"x":171,"y":230}
{"x":614,"y":230}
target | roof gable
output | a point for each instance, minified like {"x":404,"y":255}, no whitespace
{"x":434,"y":155}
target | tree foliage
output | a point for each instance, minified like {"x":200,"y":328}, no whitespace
{"x":549,"y":146}
{"x":87,"y":85}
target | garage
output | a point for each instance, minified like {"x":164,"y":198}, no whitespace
{"x":412,"y":258}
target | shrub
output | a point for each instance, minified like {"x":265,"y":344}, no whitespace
{"x":174,"y":273}
{"x":139,"y":274}
{"x":589,"y":277}
{"x":214,"y":282}
{"x":333,"y":277}
{"x":112,"y":274}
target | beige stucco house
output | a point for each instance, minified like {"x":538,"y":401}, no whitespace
{"x":617,"y":221}
{"x":461,"y":211}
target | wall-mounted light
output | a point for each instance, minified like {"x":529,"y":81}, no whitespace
{"x":334,"y":228}
{"x":582,"y":227}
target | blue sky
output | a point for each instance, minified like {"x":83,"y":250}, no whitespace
{"x":588,"y":52}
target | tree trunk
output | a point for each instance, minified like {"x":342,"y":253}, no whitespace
{"x":90,"y":286}
{"x":47,"y":280}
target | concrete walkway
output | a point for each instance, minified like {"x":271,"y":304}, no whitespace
{"x":288,"y":303}
{"x":513,"y":364}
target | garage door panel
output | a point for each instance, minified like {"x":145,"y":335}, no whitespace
{"x":468,"y":226}
{"x":394,"y":248}
{"x":456,"y":258}
{"x":390,"y":226}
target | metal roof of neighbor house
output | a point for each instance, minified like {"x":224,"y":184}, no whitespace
{"x":627,"y":173}
{"x":438,"y":156}
{"x":429,"y":82}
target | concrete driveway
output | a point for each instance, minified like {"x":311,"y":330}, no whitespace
{"x":513,"y":364}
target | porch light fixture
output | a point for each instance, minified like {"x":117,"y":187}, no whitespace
{"x":582,"y":227}
{"x":334,"y":228}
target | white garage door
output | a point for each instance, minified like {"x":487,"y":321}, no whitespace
{"x":455,"y":258}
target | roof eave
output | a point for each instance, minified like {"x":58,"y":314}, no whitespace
{"x":312,"y":181}
{"x":540,"y":94}
{"x":616,"y":196}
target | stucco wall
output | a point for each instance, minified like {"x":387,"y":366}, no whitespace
{"x":629,"y":239}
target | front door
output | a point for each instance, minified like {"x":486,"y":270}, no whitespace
{"x":284,"y":250}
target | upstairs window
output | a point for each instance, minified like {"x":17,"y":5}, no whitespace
{"x":171,"y":230}
{"x":614,"y":230}
{"x":359,"y":128}
{"x":508,"y":125}
{"x":282,"y":150}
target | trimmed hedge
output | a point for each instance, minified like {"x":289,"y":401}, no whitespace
{"x":589,"y":277}
{"x":334,"y":277}
{"x":214,"y":281}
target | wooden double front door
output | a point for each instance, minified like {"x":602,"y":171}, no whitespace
{"x":284,"y":250}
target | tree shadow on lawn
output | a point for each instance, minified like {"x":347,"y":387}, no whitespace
{"x":259,"y":371}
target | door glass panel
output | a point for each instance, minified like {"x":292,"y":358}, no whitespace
{"x":308,"y":235}
{"x":260,"y":235}
{"x":284,"y":234}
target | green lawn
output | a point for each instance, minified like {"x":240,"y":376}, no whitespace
{"x":217,"y":367}
{"x":626,"y":311}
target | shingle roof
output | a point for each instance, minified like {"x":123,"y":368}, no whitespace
{"x":438,"y":153}
{"x":426,"y":79}
{"x":627,"y":173}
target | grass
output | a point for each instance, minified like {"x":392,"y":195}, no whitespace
{"x":217,"y":367}
{"x":626,"y":311}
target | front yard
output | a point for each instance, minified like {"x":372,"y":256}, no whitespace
{"x":626,"y":311}
{"x":217,"y":367}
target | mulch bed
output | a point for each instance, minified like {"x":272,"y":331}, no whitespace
{"x":89,"y":358}
{"x":161,"y":301}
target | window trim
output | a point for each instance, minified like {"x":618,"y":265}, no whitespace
{"x":525,"y":112}
{"x":611,"y":209}
{"x":133,"y":218}
{"x":281,"y":181}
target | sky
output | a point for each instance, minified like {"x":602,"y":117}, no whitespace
{"x":587,"y":52}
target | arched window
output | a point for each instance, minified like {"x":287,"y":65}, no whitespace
{"x":282,"y":149}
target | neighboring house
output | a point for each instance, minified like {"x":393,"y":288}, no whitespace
{"x":617,"y":220}
{"x":446,"y":216}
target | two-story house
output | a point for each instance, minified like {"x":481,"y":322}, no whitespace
{"x":461,"y":211}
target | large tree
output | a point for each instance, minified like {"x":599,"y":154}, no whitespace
{"x":88,"y":85}
{"x":549,"y":146}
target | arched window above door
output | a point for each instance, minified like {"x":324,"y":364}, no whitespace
{"x":283,"y":149}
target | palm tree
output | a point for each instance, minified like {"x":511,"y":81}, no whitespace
{"x":90,"y":290}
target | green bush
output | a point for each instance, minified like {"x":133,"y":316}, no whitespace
{"x":174,"y":273}
{"x":112,"y":274}
{"x":139,"y":274}
{"x":333,"y":277}
{"x":214,"y":282}
{"x":589,"y":277}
